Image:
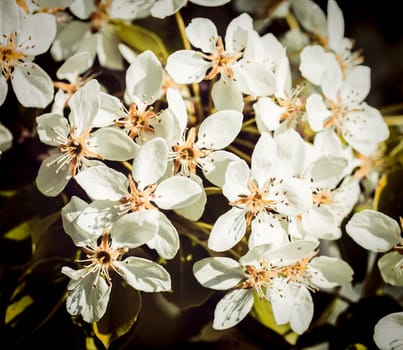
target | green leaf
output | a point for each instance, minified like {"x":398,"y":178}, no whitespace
{"x":27,"y":204}
{"x":263,"y":312}
{"x":122,"y":312}
{"x":40,"y":292}
{"x":20,"y":232}
{"x":186,"y":291}
{"x":17,"y":307}
{"x":141,"y":39}
{"x":389,"y":194}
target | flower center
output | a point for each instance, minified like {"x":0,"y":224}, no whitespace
{"x":137,"y":122}
{"x":72,"y":149}
{"x":256,"y":201}
{"x":137,"y":198}
{"x":221,"y":60}
{"x":293,"y":105}
{"x":322,"y":196}
{"x":258,"y":278}
{"x":101,"y":16}
{"x":10,"y":55}
{"x":188,"y":154}
{"x":103,"y":257}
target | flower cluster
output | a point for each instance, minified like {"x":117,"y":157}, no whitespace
{"x":289,"y":143}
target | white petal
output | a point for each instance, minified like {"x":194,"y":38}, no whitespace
{"x":51,"y":125}
{"x":329,"y":272}
{"x":37,"y":33}
{"x":218,"y":130}
{"x":98,"y":216}
{"x":164,"y":8}
{"x":267,"y":114}
{"x":202,"y":33}
{"x":150,"y":162}
{"x":144,"y":79}
{"x":134,"y":229}
{"x":327,"y":172}
{"x":6,"y":138}
{"x":332,"y":78}
{"x":233,"y":308}
{"x":236,"y":180}
{"x":166,"y":240}
{"x":237,"y":33}
{"x":32,"y":85}
{"x":356,"y":85}
{"x":108,"y":52}
{"x":70,"y":212}
{"x":311,"y":16}
{"x":88,"y":296}
{"x":68,"y":40}
{"x":210,"y":3}
{"x":321,"y":223}
{"x":264,"y":159}
{"x":50,"y":180}
{"x":195,"y":210}
{"x":312,"y":63}
{"x":178,"y":107}
{"x":176,"y":192}
{"x":317,"y":112}
{"x":335,"y":26}
{"x":84,"y":105}
{"x":364,"y":128}
{"x":292,"y":252}
{"x":74,"y":66}
{"x":373,"y":230}
{"x":113,"y":144}
{"x":266,"y":229}
{"x":227,"y":95}
{"x":214,"y":166}
{"x":302,"y":312}
{"x":388,"y":332}
{"x":391,"y":266}
{"x":295,"y":197}
{"x":291,"y":152}
{"x":218,"y":273}
{"x":254,"y":79}
{"x":228,"y":230}
{"x":82,"y":8}
{"x":102,"y":182}
{"x":187,"y":66}
{"x":111,"y":109}
{"x":144,"y":275}
{"x":3,"y":89}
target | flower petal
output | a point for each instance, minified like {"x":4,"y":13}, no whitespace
{"x":150,"y":162}
{"x":50,"y":127}
{"x":32,"y":85}
{"x":388,"y":333}
{"x":233,"y":308}
{"x":134,"y":229}
{"x":113,"y":144}
{"x":329,"y":272}
{"x":218,"y":273}
{"x":202,"y":33}
{"x":228,"y":230}
{"x":391,"y":266}
{"x":88,"y":296}
{"x":373,"y":230}
{"x":102,"y":182}
{"x":176,"y":192}
{"x":144,"y":275}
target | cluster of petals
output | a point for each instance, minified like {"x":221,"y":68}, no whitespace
{"x":107,"y":253}
{"x":283,"y":276}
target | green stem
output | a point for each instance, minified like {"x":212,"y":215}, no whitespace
{"x":187,"y":46}
{"x":239,"y":153}
{"x":245,"y":143}
{"x":394,"y":120}
{"x":213,"y":190}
